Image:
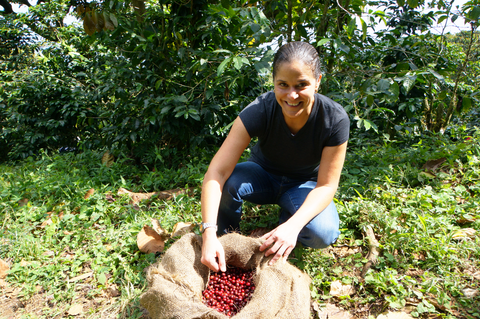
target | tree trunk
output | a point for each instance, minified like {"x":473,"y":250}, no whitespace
{"x":453,"y":100}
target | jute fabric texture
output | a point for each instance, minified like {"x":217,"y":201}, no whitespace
{"x":176,"y":282}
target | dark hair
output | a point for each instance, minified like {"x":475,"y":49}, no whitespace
{"x":298,"y":51}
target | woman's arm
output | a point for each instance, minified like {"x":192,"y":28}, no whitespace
{"x":284,"y":237}
{"x":219,"y":170}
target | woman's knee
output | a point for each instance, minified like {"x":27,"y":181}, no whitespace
{"x":323,"y":230}
{"x":319,"y":239}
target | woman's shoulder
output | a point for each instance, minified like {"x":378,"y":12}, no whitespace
{"x":264,"y":101}
{"x":327,"y":104}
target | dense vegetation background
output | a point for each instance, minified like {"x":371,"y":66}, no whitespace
{"x":156,"y":84}
{"x":149,"y":79}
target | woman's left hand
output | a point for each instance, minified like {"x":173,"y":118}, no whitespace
{"x":281,"y":240}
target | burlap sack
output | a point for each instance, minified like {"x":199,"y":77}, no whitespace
{"x":177,"y":281}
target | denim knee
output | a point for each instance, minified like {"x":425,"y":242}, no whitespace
{"x":314,"y":239}
{"x":323,"y":230}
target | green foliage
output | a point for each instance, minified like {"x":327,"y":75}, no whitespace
{"x":416,"y":213}
{"x":42,"y":110}
{"x":58,"y":235}
{"x":151,"y":80}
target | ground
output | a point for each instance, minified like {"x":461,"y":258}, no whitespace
{"x":110,"y":305}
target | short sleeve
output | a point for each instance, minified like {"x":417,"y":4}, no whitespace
{"x":254,"y":116}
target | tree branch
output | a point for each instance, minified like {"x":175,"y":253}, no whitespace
{"x":25,"y":2}
{"x":373,"y":252}
{"x":7,"y":7}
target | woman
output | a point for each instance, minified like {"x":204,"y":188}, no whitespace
{"x":296,"y":163}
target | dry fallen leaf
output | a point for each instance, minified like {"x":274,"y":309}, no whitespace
{"x":107,"y":159}
{"x":23,"y":202}
{"x":464,"y":233}
{"x":433,"y":165}
{"x":333,"y":312}
{"x":81,"y":277}
{"x":76,"y":309}
{"x":109,"y":198}
{"x":148,"y":241}
{"x":24,"y":263}
{"x":470,"y":293}
{"x":135,"y":197}
{"x":395,"y":315}
{"x":3,"y":284}
{"x":89,"y":193}
{"x":46,"y":223}
{"x":182,"y":228}
{"x":466,"y":220}
{"x":113,"y":291}
{"x":159,"y":229}
{"x":4,"y":268}
{"x":337,"y":289}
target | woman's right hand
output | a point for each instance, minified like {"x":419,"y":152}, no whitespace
{"x":213,"y":255}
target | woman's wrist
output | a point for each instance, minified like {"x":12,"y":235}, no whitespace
{"x":210,"y":232}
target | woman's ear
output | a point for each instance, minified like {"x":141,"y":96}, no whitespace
{"x":317,"y":85}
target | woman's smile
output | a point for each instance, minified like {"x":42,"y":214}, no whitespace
{"x":293,"y":104}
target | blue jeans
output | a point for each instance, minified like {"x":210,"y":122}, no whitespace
{"x":250,"y":182}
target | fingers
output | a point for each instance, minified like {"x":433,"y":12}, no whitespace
{"x":221,"y":261}
{"x":213,"y":256}
{"x":276,"y":245}
{"x":211,"y":263}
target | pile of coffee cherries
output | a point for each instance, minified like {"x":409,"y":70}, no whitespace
{"x":228,"y":292}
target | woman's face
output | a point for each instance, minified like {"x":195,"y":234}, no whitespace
{"x":295,"y":87}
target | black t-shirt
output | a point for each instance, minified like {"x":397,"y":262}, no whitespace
{"x":295,"y":156}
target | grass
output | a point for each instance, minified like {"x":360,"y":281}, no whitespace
{"x":52,"y":236}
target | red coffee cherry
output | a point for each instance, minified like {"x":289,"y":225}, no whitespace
{"x":228,"y":292}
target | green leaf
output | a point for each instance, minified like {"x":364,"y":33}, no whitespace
{"x":302,"y":30}
{"x":409,"y":82}
{"x":114,"y":20}
{"x":474,"y":13}
{"x":222,"y":66}
{"x":180,"y":114}
{"x":395,"y":89}
{"x":345,"y":48}
{"x":364,"y":29}
{"x":237,"y":62}
{"x":352,"y":25}
{"x":209,"y":93}
{"x":225,"y":4}
{"x":383,"y":85}
{"x":102,"y":278}
{"x":370,"y":125}
{"x":370,"y":100}
{"x":180,"y":99}
{"x":466,"y":103}
{"x":166,"y":109}
{"x":438,"y":76}
{"x":222,"y":51}
{"x":441,"y":19}
{"x":322,"y":42}
{"x":255,"y":27}
{"x":413,"y":3}
{"x":157,"y":84}
{"x":401,"y":3}
{"x":262,"y":67}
